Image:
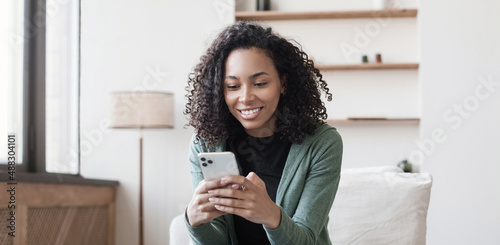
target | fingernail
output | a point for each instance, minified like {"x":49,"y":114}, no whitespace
{"x":235,"y":186}
{"x":223,"y":180}
{"x":211,"y":199}
{"x":217,"y":206}
{"x":211,"y":192}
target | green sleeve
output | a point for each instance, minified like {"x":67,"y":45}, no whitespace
{"x":308,"y":224}
{"x":216,"y":231}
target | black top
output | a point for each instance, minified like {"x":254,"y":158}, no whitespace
{"x":266,"y":157}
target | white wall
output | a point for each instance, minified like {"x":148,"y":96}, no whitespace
{"x":125,"y":42}
{"x":460,"y":47}
{"x":121,"y":40}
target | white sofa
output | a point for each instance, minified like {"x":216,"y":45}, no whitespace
{"x":373,"y":206}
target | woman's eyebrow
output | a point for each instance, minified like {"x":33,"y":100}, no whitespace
{"x":232,"y":77}
{"x":250,"y":77}
{"x":258,"y":74}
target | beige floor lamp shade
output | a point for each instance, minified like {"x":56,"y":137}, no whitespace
{"x":142,"y":110}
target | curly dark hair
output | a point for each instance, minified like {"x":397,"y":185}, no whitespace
{"x":300,"y":109}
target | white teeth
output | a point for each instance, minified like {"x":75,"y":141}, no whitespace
{"x":248,"y":112}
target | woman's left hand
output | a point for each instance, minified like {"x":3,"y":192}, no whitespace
{"x":251,"y":201}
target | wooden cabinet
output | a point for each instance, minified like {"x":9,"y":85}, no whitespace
{"x":58,"y":214}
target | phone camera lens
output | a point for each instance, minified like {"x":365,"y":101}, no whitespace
{"x":204,"y":164}
{"x":210,"y":161}
{"x":203,"y":159}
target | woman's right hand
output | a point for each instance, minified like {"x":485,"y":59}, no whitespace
{"x":200,"y":210}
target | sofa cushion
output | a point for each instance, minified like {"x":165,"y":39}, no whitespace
{"x":380,"y":208}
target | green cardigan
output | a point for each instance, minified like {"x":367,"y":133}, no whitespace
{"x":305,"y":193}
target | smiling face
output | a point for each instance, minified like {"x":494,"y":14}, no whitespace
{"x":252,"y":89}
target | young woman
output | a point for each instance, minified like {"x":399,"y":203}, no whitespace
{"x":257,"y":95}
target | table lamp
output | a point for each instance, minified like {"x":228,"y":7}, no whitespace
{"x":141,"y":110}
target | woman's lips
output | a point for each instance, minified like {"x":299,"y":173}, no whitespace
{"x":249,"y":114}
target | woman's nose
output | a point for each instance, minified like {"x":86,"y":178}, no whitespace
{"x":246,"y":95}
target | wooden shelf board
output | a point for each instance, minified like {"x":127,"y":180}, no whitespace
{"x":372,"y":120}
{"x":369,"y":66}
{"x":277,"y":15}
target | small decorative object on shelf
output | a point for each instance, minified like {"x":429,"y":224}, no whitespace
{"x":405,"y":166}
{"x":378,"y":57}
{"x":365,"y":59}
{"x":263,"y":5}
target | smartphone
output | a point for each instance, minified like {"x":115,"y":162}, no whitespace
{"x":215,"y":165}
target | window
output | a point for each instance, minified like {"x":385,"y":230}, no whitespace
{"x":11,"y":76}
{"x":62,"y":86}
{"x":40,"y":84}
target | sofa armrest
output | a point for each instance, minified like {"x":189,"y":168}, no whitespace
{"x":179,"y":234}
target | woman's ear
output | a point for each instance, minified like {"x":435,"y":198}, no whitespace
{"x":283,"y":84}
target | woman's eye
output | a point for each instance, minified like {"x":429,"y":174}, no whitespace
{"x":260,"y":84}
{"x":231,"y":87}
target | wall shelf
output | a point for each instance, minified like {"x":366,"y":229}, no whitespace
{"x":372,"y":120}
{"x":369,"y":66}
{"x":277,"y":15}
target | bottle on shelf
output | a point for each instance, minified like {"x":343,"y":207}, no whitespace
{"x":364,"y":60}
{"x":263,"y":5}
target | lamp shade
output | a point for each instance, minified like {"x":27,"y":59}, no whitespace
{"x":142,"y":110}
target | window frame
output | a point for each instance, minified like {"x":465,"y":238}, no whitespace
{"x":34,"y":84}
{"x":33,"y":166}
